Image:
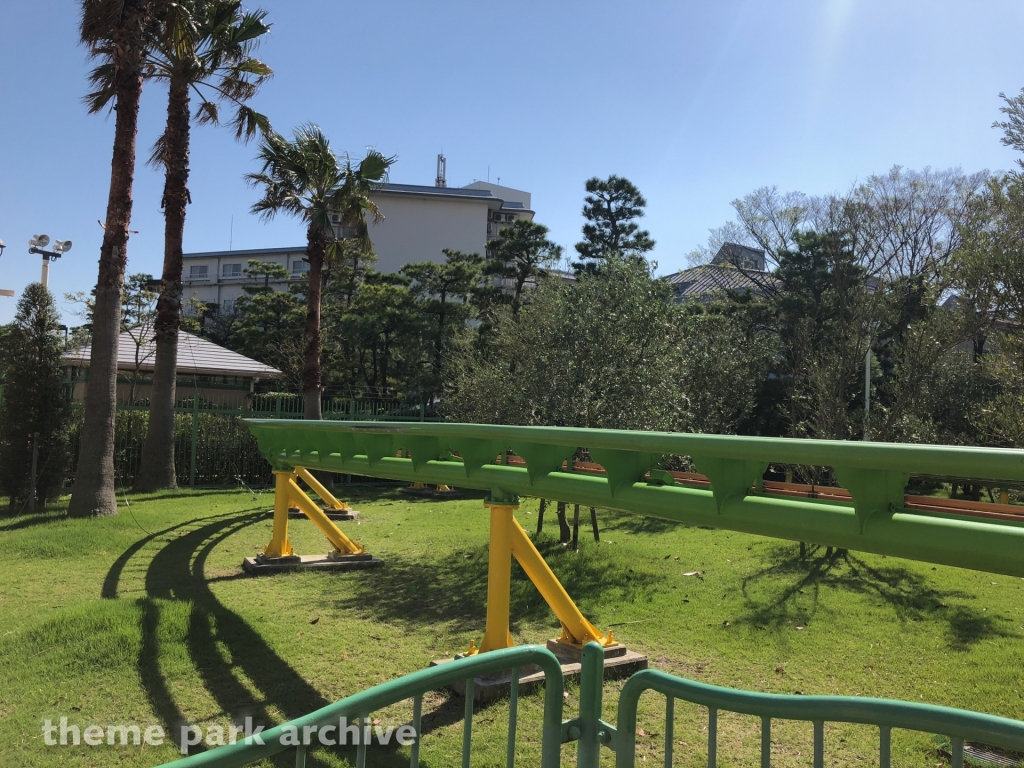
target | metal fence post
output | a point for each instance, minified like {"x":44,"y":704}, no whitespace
{"x":592,"y":731}
{"x":195,"y":440}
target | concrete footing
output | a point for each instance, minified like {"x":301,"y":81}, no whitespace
{"x":330,"y":562}
{"x":618,"y":662}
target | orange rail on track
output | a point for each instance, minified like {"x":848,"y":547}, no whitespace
{"x":1010,"y":512}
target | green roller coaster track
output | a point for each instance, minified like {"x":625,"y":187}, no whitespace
{"x":475,"y":456}
{"x":875,"y":474}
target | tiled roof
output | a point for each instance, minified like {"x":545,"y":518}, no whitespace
{"x":711,"y":278}
{"x":195,"y":355}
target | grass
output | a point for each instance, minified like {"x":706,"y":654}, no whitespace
{"x":146,"y":618}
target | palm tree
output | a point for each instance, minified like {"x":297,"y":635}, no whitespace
{"x":305,"y":178}
{"x":114,"y":32}
{"x":203,"y":47}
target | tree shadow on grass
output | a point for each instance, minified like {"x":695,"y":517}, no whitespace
{"x":27,"y":520}
{"x":370,"y":493}
{"x":240,"y":671}
{"x":792,"y":585}
{"x":451,"y":589}
{"x":185,"y":493}
{"x":633,"y":523}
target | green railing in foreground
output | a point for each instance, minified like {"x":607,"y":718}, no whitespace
{"x":593,"y":733}
{"x":876,"y":475}
{"x":413,"y":686}
{"x":886,"y":714}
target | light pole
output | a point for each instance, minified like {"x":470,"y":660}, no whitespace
{"x":38,"y":243}
{"x":4,"y":291}
{"x":867,"y":394}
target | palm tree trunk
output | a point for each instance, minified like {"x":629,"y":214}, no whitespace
{"x":93,"y":492}
{"x":156,"y":470}
{"x":316,"y":250}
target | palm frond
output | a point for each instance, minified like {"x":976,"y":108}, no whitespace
{"x":178,"y":31}
{"x":99,"y":21}
{"x":102,"y":80}
{"x":207,"y":112}
{"x":247,"y":123}
{"x":250,"y":27}
{"x":158,"y":155}
{"x":374,"y":167}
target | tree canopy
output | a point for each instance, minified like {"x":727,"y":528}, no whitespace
{"x":611,"y":209}
{"x":34,"y":402}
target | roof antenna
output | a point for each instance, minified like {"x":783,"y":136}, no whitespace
{"x":441,"y":181}
{"x":231,"y":236}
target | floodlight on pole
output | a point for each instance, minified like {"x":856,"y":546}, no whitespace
{"x":4,"y":291}
{"x":38,"y":243}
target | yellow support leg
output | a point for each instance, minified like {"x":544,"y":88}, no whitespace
{"x":508,"y":540}
{"x":499,"y":579}
{"x":576,"y":630}
{"x":342,"y":543}
{"x":319,"y":489}
{"x":279,"y":545}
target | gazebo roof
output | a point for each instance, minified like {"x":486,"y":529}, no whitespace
{"x":136,"y":349}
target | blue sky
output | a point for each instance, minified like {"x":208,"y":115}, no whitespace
{"x":696,"y":102}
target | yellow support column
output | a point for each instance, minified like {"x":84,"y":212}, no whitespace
{"x":576,"y":630}
{"x":499,"y":577}
{"x":508,"y":539}
{"x":342,"y":543}
{"x":279,"y":555}
{"x":319,"y":489}
{"x":279,"y":545}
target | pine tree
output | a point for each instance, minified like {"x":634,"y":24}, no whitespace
{"x":33,"y":400}
{"x":611,"y":207}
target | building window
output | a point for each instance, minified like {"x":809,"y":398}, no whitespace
{"x":227,"y":306}
{"x":231,"y":270}
{"x":300,"y":267}
{"x":198,"y":272}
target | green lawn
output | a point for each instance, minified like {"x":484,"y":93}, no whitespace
{"x":146,"y":618}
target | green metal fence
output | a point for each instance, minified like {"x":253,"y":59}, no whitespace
{"x":359,"y":708}
{"x":213,"y":447}
{"x":885,"y":714}
{"x":594,"y":734}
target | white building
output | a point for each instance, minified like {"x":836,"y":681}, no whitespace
{"x":419,"y":221}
